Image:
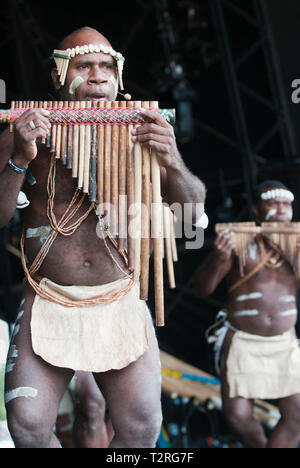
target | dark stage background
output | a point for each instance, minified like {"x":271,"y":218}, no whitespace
{"x":226,"y":66}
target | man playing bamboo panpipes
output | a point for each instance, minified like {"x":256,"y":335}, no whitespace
{"x":109,"y":332}
{"x":257,"y":348}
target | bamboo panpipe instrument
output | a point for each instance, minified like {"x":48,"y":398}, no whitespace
{"x":94,"y":141}
{"x":284,"y":235}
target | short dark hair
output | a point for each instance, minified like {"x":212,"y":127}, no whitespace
{"x":260,"y":188}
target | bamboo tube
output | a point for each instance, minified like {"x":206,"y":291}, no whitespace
{"x":157,"y":236}
{"x":100,"y":161}
{"x":146,"y":202}
{"x":93,"y":162}
{"x":75,"y":146}
{"x":130,"y":196}
{"x":54,"y":133}
{"x":11,"y":127}
{"x":41,"y":105}
{"x":58,"y":135}
{"x":107,"y":169}
{"x":138,"y":202}
{"x":70,"y":140}
{"x":81,"y":150}
{"x":49,"y":138}
{"x":283,"y":228}
{"x":122,"y":185}
{"x":63,"y":150}
{"x":173,"y":237}
{"x":169,"y":256}
{"x":87,"y":155}
{"x":115,"y":175}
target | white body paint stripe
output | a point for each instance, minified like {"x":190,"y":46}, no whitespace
{"x":9,"y":366}
{"x":287,"y":313}
{"x":252,"y":249}
{"x":246,"y":297}
{"x":13,"y":352}
{"x":247,"y":313}
{"x":287,"y":299}
{"x":20,"y":315}
{"x":20,"y":392}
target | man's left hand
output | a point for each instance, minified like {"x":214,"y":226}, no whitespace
{"x":159,"y":135}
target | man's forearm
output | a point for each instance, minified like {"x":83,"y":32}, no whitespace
{"x":209,"y":275}
{"x":187,"y":189}
{"x":10,"y":186}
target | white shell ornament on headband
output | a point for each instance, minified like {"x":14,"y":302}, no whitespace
{"x":283,"y":194}
{"x":63,"y":57}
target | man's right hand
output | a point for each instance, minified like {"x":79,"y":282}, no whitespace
{"x":224,"y":245}
{"x":25,"y":148}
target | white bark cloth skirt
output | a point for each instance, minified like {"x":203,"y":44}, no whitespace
{"x":95,"y":338}
{"x":263,"y":367}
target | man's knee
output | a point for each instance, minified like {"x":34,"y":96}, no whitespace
{"x":142,"y":428}
{"x":290,"y":414}
{"x":91,"y":412}
{"x":28,"y":427}
{"x":237,"y":417}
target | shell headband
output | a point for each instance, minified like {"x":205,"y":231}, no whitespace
{"x":63,"y":57}
{"x":278,"y":193}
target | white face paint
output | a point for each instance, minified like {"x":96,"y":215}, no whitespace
{"x":251,"y":296}
{"x":270,"y":214}
{"x":75,"y":84}
{"x":289,"y":215}
{"x":115,"y":83}
{"x":247,"y":313}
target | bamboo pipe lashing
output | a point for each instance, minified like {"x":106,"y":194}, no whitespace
{"x":87,"y":155}
{"x":81,"y":150}
{"x":115,"y":175}
{"x":146,"y":204}
{"x":138,"y":202}
{"x":130,"y":196}
{"x":122,"y":185}
{"x":157,"y":232}
{"x":75,"y":146}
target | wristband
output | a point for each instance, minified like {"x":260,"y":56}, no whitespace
{"x":14,"y":167}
